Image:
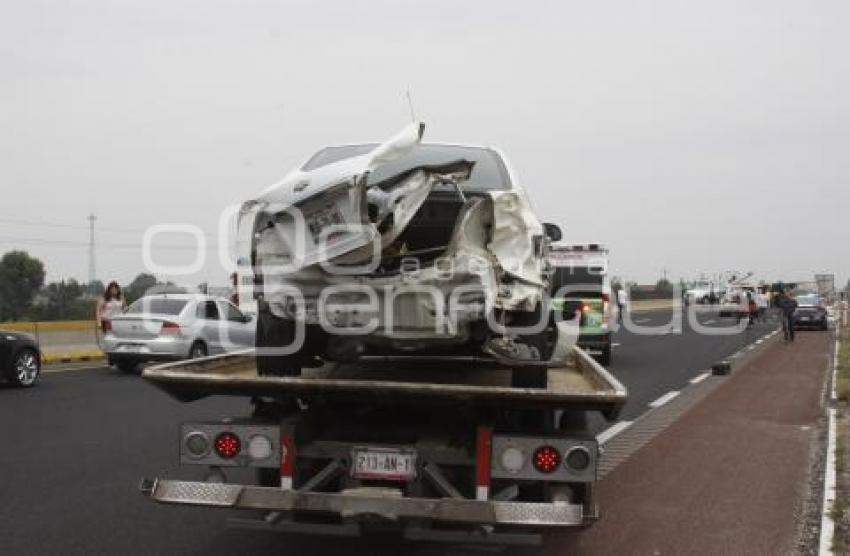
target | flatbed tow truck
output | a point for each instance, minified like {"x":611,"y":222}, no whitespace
{"x":439,"y":449}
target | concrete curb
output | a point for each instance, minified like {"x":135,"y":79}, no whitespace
{"x":74,"y":356}
{"x":50,"y":326}
{"x":827,"y":527}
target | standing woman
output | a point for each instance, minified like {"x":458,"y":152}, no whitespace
{"x":112,"y":304}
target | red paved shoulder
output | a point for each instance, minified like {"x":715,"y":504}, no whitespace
{"x":730,"y":477}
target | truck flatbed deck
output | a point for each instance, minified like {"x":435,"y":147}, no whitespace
{"x":581,"y":384}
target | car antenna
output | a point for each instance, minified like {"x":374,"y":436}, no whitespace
{"x":410,"y":106}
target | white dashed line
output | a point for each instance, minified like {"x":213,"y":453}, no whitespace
{"x":699,"y":378}
{"x":664,"y":399}
{"x":612,"y":431}
{"x":615,"y":344}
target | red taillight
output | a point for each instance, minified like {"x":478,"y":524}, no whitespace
{"x":227,"y":445}
{"x":169,"y":327}
{"x":606,"y":298}
{"x":546,"y":459}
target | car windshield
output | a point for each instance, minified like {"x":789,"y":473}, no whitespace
{"x":578,"y":281}
{"x":488,"y":174}
{"x":808,"y":299}
{"x":158,"y":305}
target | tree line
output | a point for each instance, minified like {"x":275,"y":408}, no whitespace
{"x":25,"y":296}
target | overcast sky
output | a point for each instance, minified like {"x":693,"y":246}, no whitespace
{"x":691,"y":136}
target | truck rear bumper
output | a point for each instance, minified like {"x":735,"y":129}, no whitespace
{"x":372,"y":503}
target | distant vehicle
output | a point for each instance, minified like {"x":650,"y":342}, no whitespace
{"x":176,"y":326}
{"x":811,"y":312}
{"x":20,"y":359}
{"x":735,"y":301}
{"x":703,"y":293}
{"x":581,"y":271}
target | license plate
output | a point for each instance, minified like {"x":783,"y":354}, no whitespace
{"x":392,"y":464}
{"x":131,"y":348}
{"x":804,"y":318}
{"x":323,"y":218}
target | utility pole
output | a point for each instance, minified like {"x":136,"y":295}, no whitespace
{"x":92,"y":269}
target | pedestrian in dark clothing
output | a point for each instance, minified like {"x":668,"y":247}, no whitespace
{"x":787,"y":305}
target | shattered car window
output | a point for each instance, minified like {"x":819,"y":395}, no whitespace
{"x":488,"y":174}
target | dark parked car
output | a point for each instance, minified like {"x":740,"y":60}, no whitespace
{"x":20,"y":359}
{"x":810,"y":312}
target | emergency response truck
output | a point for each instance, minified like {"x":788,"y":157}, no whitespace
{"x":580,"y":283}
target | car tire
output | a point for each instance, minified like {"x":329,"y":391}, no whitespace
{"x":275,"y":332}
{"x":199,"y":349}
{"x":26,"y":368}
{"x":127,"y":366}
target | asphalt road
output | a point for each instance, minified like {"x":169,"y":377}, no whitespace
{"x":650,"y":365}
{"x":74,"y":449}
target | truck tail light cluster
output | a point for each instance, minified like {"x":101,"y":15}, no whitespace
{"x":230,"y":444}
{"x":550,"y":459}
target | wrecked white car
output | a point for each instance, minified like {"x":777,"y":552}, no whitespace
{"x":398,"y":248}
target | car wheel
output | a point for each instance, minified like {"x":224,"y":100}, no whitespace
{"x":26,"y":368}
{"x":198,"y":350}
{"x":275,"y":332}
{"x":128,"y":366}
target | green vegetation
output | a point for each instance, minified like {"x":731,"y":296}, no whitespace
{"x":21,"y":276}
{"x":25,"y":297}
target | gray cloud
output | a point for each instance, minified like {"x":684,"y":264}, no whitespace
{"x":692,"y":136}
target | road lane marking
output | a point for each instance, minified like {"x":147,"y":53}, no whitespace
{"x":612,"y":431}
{"x":699,"y":378}
{"x":663,"y":399}
{"x":615,"y":344}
